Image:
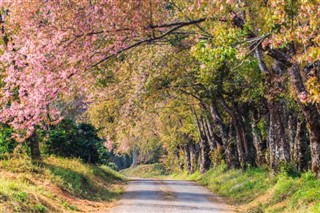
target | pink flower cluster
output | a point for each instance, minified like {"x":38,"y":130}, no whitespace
{"x":53,"y":45}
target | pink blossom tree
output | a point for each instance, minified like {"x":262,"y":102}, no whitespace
{"x":50,"y":45}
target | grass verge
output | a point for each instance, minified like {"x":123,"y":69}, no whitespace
{"x":56,"y":185}
{"x":257,"y":190}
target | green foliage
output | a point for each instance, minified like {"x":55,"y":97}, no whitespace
{"x":104,"y":77}
{"x":169,"y":6}
{"x":40,"y":208}
{"x":175,"y":39}
{"x":7,"y":144}
{"x":289,"y":169}
{"x":70,"y":140}
{"x":261,"y":125}
{"x":21,"y":196}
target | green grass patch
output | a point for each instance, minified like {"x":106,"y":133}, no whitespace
{"x":145,"y":171}
{"x":257,"y":190}
{"x":44,"y":187}
{"x":238,"y":186}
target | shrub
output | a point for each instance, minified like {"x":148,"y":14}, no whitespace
{"x":81,"y":141}
{"x":7,"y":144}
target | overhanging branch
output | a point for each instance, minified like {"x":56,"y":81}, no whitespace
{"x":176,"y":27}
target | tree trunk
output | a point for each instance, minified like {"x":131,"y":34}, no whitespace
{"x":301,"y":153}
{"x":310,"y":111}
{"x":177,"y":157}
{"x":232,"y":158}
{"x":293,"y":124}
{"x":134,"y":158}
{"x":312,"y":118}
{"x":209,"y":134}
{"x":279,"y":147}
{"x":242,"y":142}
{"x":186,"y":150}
{"x":205,"y":161}
{"x":194,"y":155}
{"x":227,"y":136}
{"x":34,"y":147}
{"x":258,"y":142}
{"x":244,"y":118}
{"x":204,"y":149}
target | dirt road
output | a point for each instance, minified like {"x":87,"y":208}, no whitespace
{"x":168,"y":196}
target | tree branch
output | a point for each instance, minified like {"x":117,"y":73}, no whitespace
{"x":149,"y":40}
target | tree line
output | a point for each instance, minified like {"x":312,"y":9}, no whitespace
{"x":201,"y":82}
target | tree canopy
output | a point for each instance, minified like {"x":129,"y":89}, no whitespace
{"x":204,"y":81}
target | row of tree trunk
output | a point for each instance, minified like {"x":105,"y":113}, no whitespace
{"x":271,"y":133}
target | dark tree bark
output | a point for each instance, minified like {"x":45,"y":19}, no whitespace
{"x":301,"y":153}
{"x":204,"y":158}
{"x":244,"y":118}
{"x":312,"y":118}
{"x":177,"y":157}
{"x":227,"y":135}
{"x":204,"y":155}
{"x":194,"y":155}
{"x":187,"y":157}
{"x":215,"y":138}
{"x":34,"y":147}
{"x":204,"y":149}
{"x":291,"y":132}
{"x":231,"y":149}
{"x":244,"y":152}
{"x":209,"y":134}
{"x":285,"y":56}
{"x":134,"y":158}
{"x":279,"y":147}
{"x":259,"y":143}
{"x":278,"y":144}
{"x":215,"y":142}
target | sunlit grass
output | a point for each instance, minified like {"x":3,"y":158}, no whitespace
{"x":257,"y":190}
{"x":145,"y":171}
{"x":27,"y":187}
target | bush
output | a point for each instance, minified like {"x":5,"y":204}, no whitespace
{"x":113,"y":166}
{"x":7,"y":144}
{"x":81,"y":141}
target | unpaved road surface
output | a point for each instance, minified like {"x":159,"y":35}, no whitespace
{"x":168,"y":196}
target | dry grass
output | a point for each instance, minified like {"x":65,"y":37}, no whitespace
{"x":56,"y":185}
